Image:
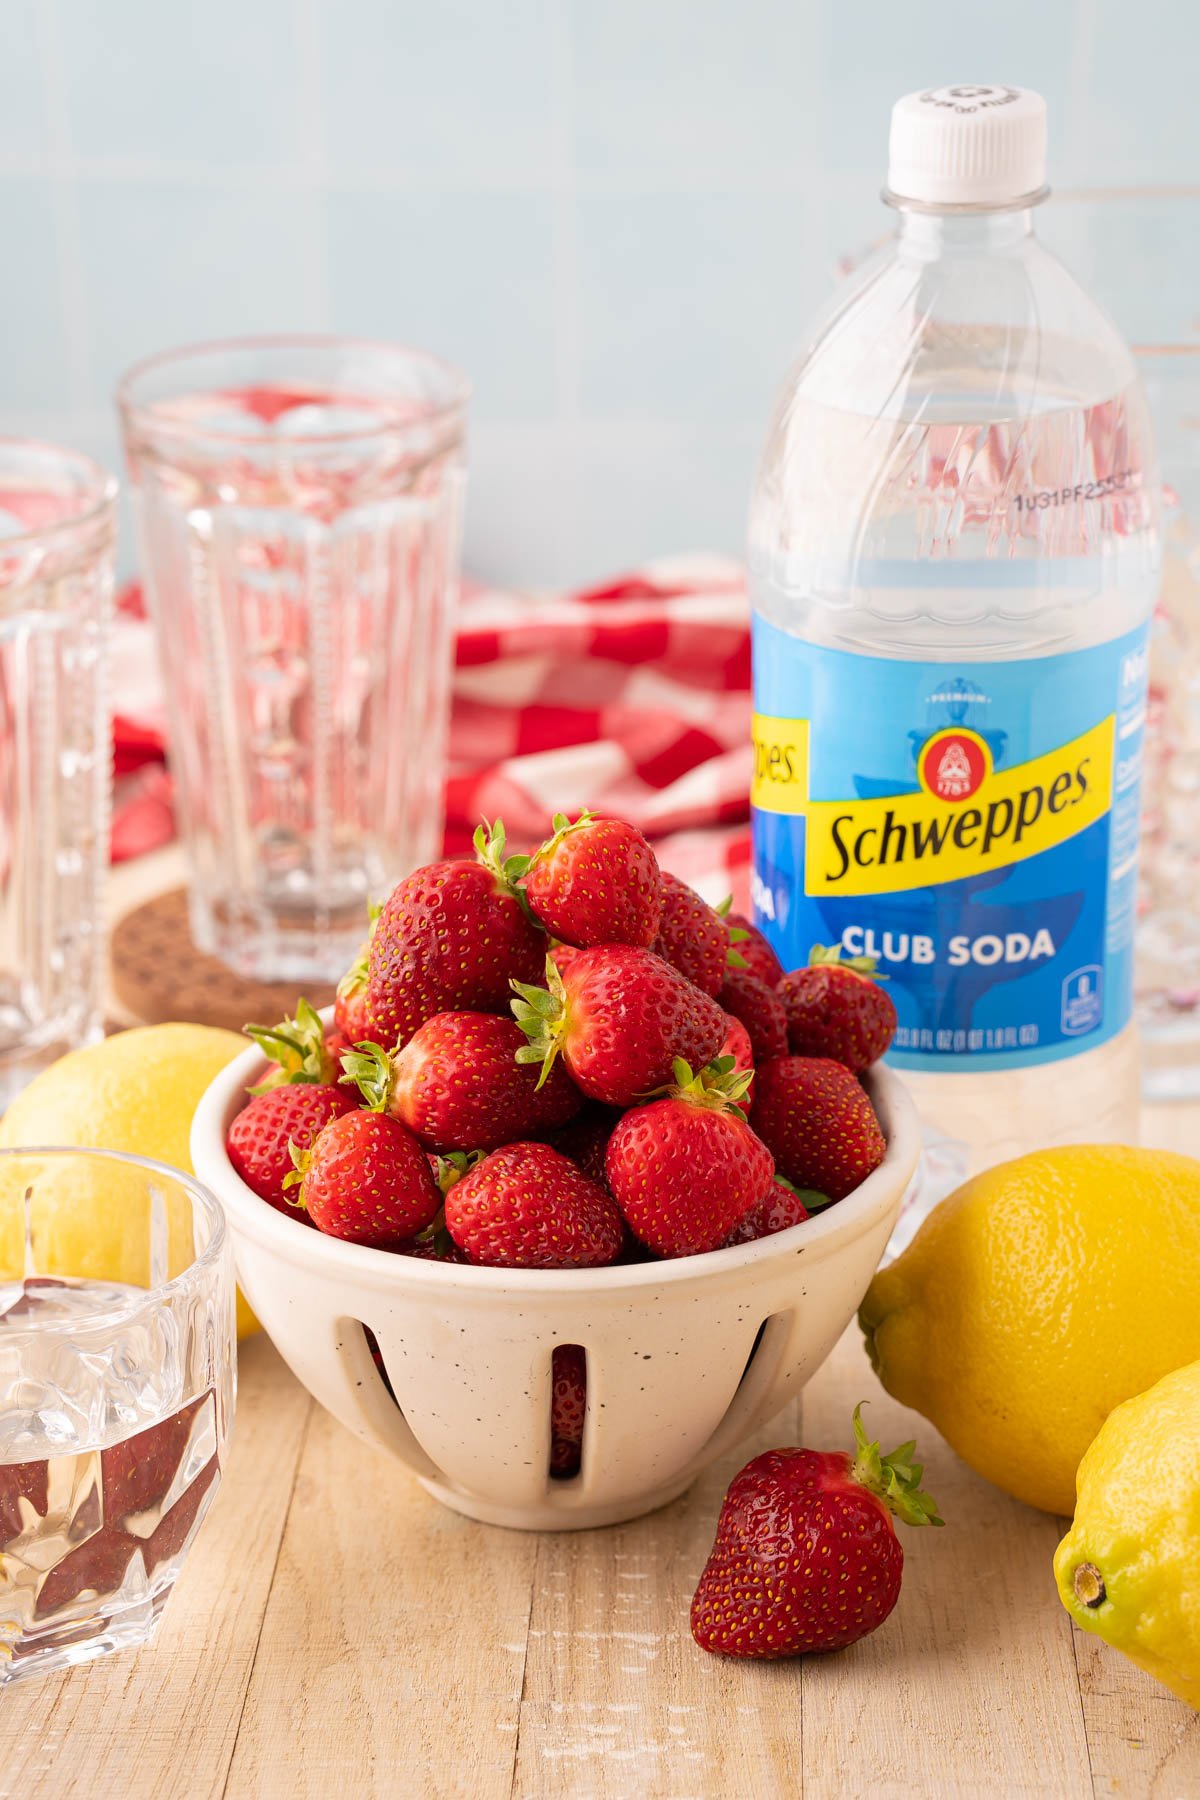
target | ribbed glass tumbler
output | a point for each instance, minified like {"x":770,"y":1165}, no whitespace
{"x":299,"y":506}
{"x":57,"y":531}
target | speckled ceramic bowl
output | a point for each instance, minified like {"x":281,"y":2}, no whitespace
{"x":684,"y":1358}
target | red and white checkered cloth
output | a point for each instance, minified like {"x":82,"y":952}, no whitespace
{"x":632,"y":698}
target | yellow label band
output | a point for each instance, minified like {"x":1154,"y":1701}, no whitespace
{"x":893,"y":843}
{"x":780,"y":782}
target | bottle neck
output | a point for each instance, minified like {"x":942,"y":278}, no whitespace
{"x":928,"y":235}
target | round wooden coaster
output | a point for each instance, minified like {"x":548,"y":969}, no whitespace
{"x":158,"y":974}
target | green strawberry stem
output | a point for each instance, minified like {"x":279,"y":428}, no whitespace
{"x":895,"y":1478}
{"x":297,"y":1046}
{"x":369,"y":1068}
{"x":450,"y":1167}
{"x":563,"y":827}
{"x":832,"y":953}
{"x":490,"y":842}
{"x":301,"y":1159}
{"x":718,"y":1086}
{"x":542,"y":1015}
{"x":737,"y":935}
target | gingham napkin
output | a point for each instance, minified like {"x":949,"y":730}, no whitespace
{"x":632,"y":698}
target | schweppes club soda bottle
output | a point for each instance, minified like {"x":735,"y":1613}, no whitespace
{"x":954,"y":553}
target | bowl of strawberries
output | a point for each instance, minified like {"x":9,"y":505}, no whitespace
{"x":572,"y":1188}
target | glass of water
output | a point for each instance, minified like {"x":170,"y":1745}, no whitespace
{"x":57,"y":533}
{"x":299,"y":509}
{"x":117,"y":1368}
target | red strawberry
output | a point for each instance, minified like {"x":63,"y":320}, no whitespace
{"x":837,"y":1009}
{"x":692,"y":936}
{"x":595,"y":882}
{"x":737,"y":1048}
{"x":527,"y":1207}
{"x":780,"y":1207}
{"x":564,"y":955}
{"x":620,"y":1016}
{"x":259,"y":1138}
{"x":760,"y":1010}
{"x":450,"y":939}
{"x":350,"y":1002}
{"x":367,"y":1179}
{"x":585,"y":1140}
{"x":568,"y":1408}
{"x":458,"y":1086}
{"x":753,"y":948}
{"x":806,"y":1557}
{"x":297,"y":1051}
{"x":686,"y":1168}
{"x":818,"y":1123}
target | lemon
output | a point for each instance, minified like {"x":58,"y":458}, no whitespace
{"x":137,"y":1092}
{"x":1128,"y":1569}
{"x":1036,"y":1299}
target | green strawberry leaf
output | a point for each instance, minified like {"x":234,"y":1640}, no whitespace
{"x":369,"y":1068}
{"x":297,"y":1047}
{"x":895,"y":1478}
{"x":542,"y":1015}
{"x":823,"y":954}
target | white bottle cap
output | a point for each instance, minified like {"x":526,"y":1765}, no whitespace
{"x":968,"y":146}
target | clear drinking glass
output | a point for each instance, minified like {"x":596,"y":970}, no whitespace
{"x":299,"y":509}
{"x":117,"y":1373}
{"x":57,"y":533}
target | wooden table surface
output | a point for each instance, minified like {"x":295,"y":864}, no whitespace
{"x":336,"y":1632}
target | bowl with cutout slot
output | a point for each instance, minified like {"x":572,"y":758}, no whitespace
{"x":448,"y":1368}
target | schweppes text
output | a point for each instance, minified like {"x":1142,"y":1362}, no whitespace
{"x":967,"y":819}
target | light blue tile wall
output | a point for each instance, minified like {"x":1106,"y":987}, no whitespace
{"x":616,"y":214}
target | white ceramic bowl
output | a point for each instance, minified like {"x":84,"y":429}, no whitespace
{"x":675,"y":1376}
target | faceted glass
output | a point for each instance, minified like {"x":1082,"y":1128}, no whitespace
{"x":57,"y":532}
{"x":299,"y":509}
{"x":117,"y":1373}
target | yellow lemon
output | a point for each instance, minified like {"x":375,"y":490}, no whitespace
{"x":137,"y":1092}
{"x":1128,"y":1568}
{"x":1035,"y":1299}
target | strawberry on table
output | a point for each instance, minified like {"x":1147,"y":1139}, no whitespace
{"x":568,"y":1409}
{"x":692,"y":936}
{"x":752,"y":947}
{"x":760,"y":1010}
{"x":806,"y":1557}
{"x":259,"y":1140}
{"x":620,"y":1017}
{"x":818,"y":1123}
{"x":458,"y":1086}
{"x":686,"y":1168}
{"x":781,"y":1207}
{"x":368,"y":1180}
{"x":596,"y":881}
{"x":838,"y":1009}
{"x":527,"y":1207}
{"x":450,"y":939}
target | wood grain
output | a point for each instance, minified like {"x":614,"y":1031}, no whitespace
{"x":393,"y":1647}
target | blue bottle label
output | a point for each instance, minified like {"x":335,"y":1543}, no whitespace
{"x":971,"y":825}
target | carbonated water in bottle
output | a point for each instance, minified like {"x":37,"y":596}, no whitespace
{"x":954,"y":552}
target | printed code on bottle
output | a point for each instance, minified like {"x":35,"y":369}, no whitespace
{"x":1067,"y":496}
